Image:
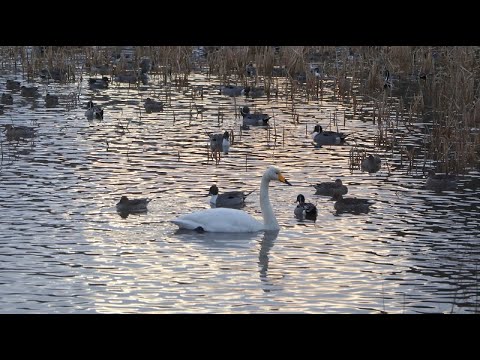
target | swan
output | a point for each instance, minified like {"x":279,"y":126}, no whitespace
{"x":233,"y":220}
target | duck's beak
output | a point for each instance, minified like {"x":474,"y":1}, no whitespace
{"x":282,"y":179}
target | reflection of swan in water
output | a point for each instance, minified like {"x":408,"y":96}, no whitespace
{"x":233,"y":220}
{"x":265,"y":245}
{"x":218,"y":240}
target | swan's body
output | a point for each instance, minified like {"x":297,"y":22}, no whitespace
{"x":232,"y":220}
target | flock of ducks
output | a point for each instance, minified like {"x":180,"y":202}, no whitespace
{"x":226,"y":206}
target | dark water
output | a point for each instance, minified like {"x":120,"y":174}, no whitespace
{"x":64,"y":249}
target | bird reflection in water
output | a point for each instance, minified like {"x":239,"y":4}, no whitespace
{"x":263,"y":261}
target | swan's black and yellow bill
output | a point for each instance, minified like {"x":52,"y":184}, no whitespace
{"x":282,"y":179}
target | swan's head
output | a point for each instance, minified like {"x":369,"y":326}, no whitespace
{"x":274,"y":173}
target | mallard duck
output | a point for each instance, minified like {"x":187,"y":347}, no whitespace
{"x":255,"y":119}
{"x":351,"y":205}
{"x":234,"y":220}
{"x":231,"y":90}
{"x":31,"y":91}
{"x":371,"y":163}
{"x":229,"y":199}
{"x":51,"y":101}
{"x":7,"y":99}
{"x":93,"y":111}
{"x":305,"y":210}
{"x":330,"y":188}
{"x":132,"y":206}
{"x":12,"y":85}
{"x":18,"y":132}
{"x":151,"y":105}
{"x":440,"y":182}
{"x":321,"y":137}
{"x":99,"y":83}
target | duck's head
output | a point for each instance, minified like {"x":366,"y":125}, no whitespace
{"x":226,"y":135}
{"x":338,"y":182}
{"x":317,"y":129}
{"x":123,"y":199}
{"x":8,"y":127}
{"x":300,"y":199}
{"x":244,"y":110}
{"x":274,"y":173}
{"x":213,"y":190}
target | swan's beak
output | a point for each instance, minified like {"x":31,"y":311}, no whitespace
{"x":282,"y":179}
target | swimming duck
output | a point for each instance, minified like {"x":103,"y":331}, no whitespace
{"x":132,"y":206}
{"x":372,"y":163}
{"x":249,"y":91}
{"x":351,"y":205}
{"x":305,"y":210}
{"x":220,"y":142}
{"x":440,"y":182}
{"x":93,"y":111}
{"x":229,"y":199}
{"x":234,"y":220}
{"x":330,"y":188}
{"x":28,"y":91}
{"x":151,"y":105}
{"x":18,"y":132}
{"x":51,"y":101}
{"x":12,"y":85}
{"x":7,"y":99}
{"x":255,"y":119}
{"x":99,"y":83}
{"x":321,"y":137}
{"x":231,"y":90}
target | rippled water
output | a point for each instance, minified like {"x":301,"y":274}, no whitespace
{"x":64,"y":248}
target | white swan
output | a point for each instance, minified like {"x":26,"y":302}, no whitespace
{"x":233,"y":220}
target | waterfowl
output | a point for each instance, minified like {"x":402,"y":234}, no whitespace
{"x":132,"y":77}
{"x":231,"y":90}
{"x":234,"y":220}
{"x":351,"y":205}
{"x":220,"y":142}
{"x":12,"y":85}
{"x":330,"y":188}
{"x":255,"y":119}
{"x":7,"y":99}
{"x":99,"y":83}
{"x":250,"y":70}
{"x":93,"y":111}
{"x":387,"y":83}
{"x":51,"y":100}
{"x":1,"y":109}
{"x":249,"y":91}
{"x":18,"y":132}
{"x":305,"y":210}
{"x":372,"y":163}
{"x":151,"y":105}
{"x":55,"y":74}
{"x":229,"y":199}
{"x":28,"y":91}
{"x":440,"y":182}
{"x":146,"y":65}
{"x":132,"y":206}
{"x":321,"y":137}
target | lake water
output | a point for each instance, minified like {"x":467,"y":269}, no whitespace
{"x":65,"y":249}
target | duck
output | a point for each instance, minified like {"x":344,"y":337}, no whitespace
{"x":7,"y":99}
{"x":1,"y":109}
{"x":351,"y":205}
{"x":51,"y":100}
{"x":372,"y":163}
{"x":151,"y":105}
{"x":133,"y":205}
{"x":305,"y":210}
{"x":220,"y":142}
{"x":99,"y":83}
{"x":255,"y":119}
{"x":321,"y":137}
{"x":93,"y":111}
{"x":252,"y":92}
{"x":28,"y":91}
{"x":231,"y":90}
{"x":12,"y":85}
{"x":229,"y":199}
{"x":18,"y":132}
{"x":387,"y":83}
{"x":330,"y":188}
{"x":250,"y":70}
{"x":440,"y":182}
{"x":235,"y":220}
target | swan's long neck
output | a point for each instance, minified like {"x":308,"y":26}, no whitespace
{"x":269,"y":219}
